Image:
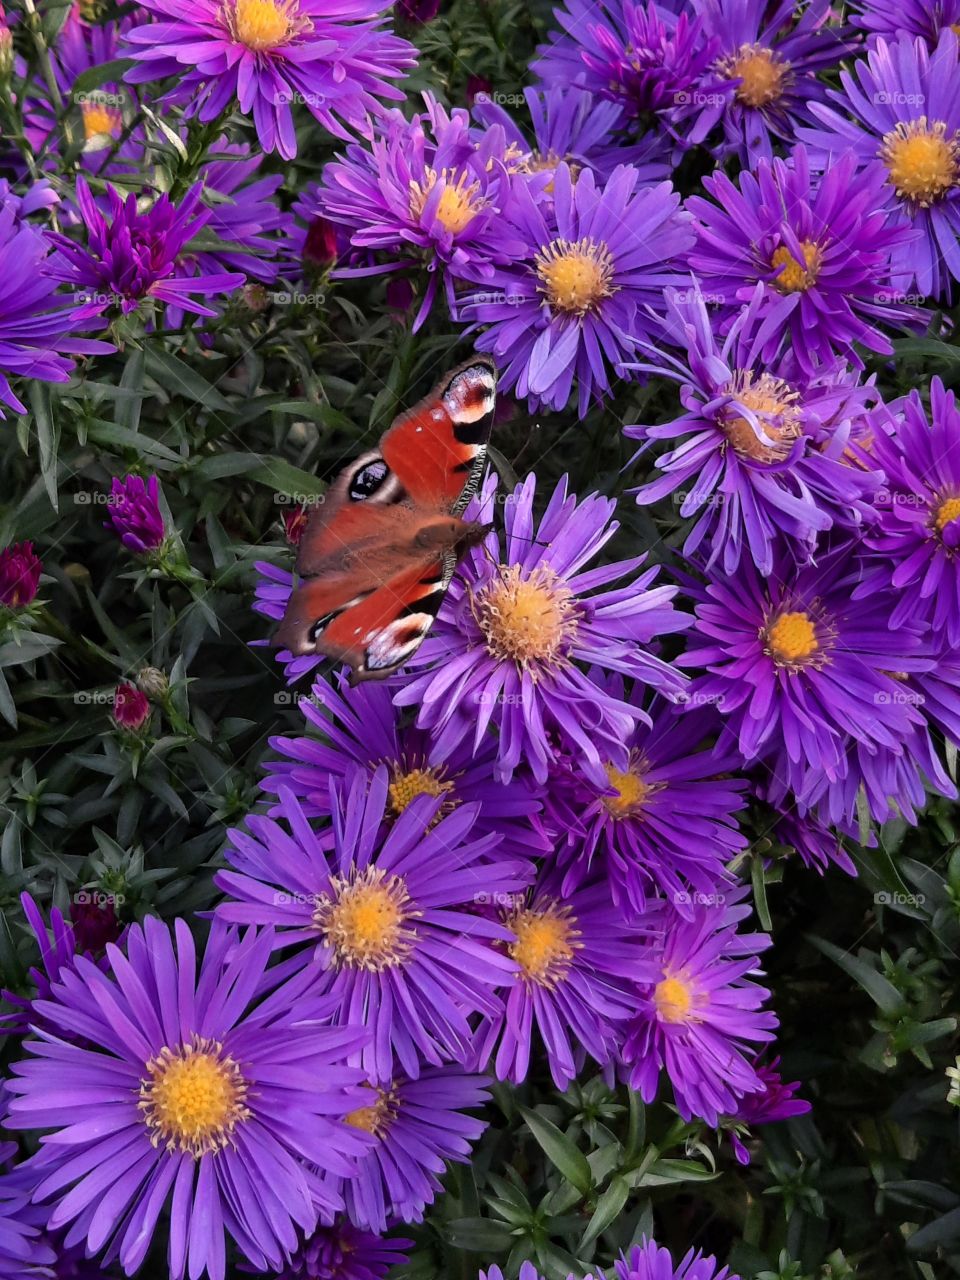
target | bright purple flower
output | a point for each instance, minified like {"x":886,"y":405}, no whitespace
{"x":520,"y":624}
{"x":273,"y":589}
{"x":575,"y":300}
{"x":20,"y":570}
{"x":135,"y":515}
{"x":425,"y":191}
{"x":344,"y":1252}
{"x":575,"y":957}
{"x":527,"y":1272}
{"x":131,"y":708}
{"x":361,"y":726}
{"x":105,"y":112}
{"x":816,"y":845}
{"x":917,"y":537}
{"x":131,"y":256}
{"x":800,"y":670}
{"x":417,"y":1126}
{"x":571,"y":125}
{"x":190,"y":1092}
{"x":245,"y":215}
{"x":762,"y":453}
{"x":905,"y":104}
{"x":892,"y":18}
{"x":666,"y":824}
{"x":770,"y":55}
{"x":392,"y":926}
{"x":36,"y":324}
{"x":701,"y":1014}
{"x":821,"y":248}
{"x":334,"y":57}
{"x":24,"y":1251}
{"x":939,"y":687}
{"x":775,"y":1102}
{"x":649,"y":1261}
{"x":58,"y":949}
{"x":644,"y":58}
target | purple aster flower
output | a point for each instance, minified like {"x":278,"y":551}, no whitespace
{"x":134,"y":513}
{"x":361,"y":726}
{"x":573,"y":955}
{"x":527,"y":1272}
{"x":519,"y":624}
{"x":891,"y":18}
{"x":335,"y":57}
{"x":776,"y":1101}
{"x":649,"y":1261}
{"x":58,"y":949}
{"x":344,"y":1252}
{"x":392,"y":923}
{"x":820,"y":248}
{"x":576,"y":299}
{"x":770,"y":55}
{"x":36,"y":325}
{"x":424,"y":191}
{"x":905,"y":104}
{"x":800,"y":670}
{"x":273,"y":589}
{"x":701,"y":1014}
{"x":654,"y":64}
{"x":816,"y":845}
{"x":132,"y":256}
{"x":762,"y":455}
{"x":20,"y":570}
{"x":939,"y":687}
{"x":24,"y":200}
{"x":24,"y":1252}
{"x":417,"y":1126}
{"x":666,"y":824}
{"x":188,"y":1092}
{"x":104,"y":114}
{"x":244,"y":214}
{"x":917,"y":536}
{"x":570,"y":125}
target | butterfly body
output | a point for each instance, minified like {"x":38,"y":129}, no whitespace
{"x":377,"y":555}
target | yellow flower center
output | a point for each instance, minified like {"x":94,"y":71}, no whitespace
{"x":791,"y":639}
{"x":527,"y":620}
{"x":410,"y":783}
{"x":100,"y":121}
{"x":377,"y":1117}
{"x":459,"y":200}
{"x":630,"y":788}
{"x":922,"y":161}
{"x":948,"y":510}
{"x":761,"y":72}
{"x":775,"y":403}
{"x":793,"y":276}
{"x":546,"y":939}
{"x":193,"y":1098}
{"x":366,"y":922}
{"x":575,"y":275}
{"x":265,"y":24}
{"x":673,"y":999}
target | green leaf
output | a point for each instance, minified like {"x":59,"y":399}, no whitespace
{"x":607,"y":1211}
{"x":560,"y":1150}
{"x":883,"y":993}
{"x":283,"y":477}
{"x":95,"y":76}
{"x":479,"y":1235}
{"x":179,"y":379}
{"x":47,"y":437}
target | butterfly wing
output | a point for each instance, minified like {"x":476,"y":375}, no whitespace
{"x":378,"y":552}
{"x":437,"y":449}
{"x":374,"y":626}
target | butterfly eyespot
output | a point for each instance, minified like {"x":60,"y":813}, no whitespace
{"x":368,"y":480}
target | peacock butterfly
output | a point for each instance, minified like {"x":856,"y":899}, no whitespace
{"x":377,"y":556}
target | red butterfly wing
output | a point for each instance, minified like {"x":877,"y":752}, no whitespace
{"x":437,"y":449}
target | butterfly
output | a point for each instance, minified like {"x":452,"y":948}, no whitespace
{"x":377,"y":555}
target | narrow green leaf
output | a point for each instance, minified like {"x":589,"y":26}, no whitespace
{"x":560,"y":1150}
